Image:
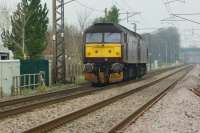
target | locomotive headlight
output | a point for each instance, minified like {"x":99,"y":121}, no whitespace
{"x":110,"y":51}
{"x":106,"y":59}
{"x":88,"y":53}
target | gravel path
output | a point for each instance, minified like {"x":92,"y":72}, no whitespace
{"x":24,"y":121}
{"x":102,"y":120}
{"x":177,"y":112}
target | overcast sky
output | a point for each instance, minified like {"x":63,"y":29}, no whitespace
{"x":152,"y":11}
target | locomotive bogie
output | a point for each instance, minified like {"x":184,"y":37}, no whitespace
{"x":100,"y":78}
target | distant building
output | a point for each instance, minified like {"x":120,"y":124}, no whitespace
{"x":190,"y":55}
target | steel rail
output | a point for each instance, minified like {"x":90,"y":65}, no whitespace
{"x":59,"y":97}
{"x":195,"y":91}
{"x":82,"y":112}
{"x":41,"y":96}
{"x":122,"y":125}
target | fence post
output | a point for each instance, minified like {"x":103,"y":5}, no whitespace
{"x":74,"y":67}
{"x":29,"y":81}
{"x":41,"y":79}
{"x":75,"y":76}
{"x":34,"y":82}
{"x":1,"y":91}
{"x":18,"y":83}
{"x":71,"y":72}
{"x":13,"y":88}
{"x":24,"y":84}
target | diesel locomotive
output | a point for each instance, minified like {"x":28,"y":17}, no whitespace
{"x":113,"y":53}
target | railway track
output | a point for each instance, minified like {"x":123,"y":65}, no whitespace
{"x":84,"y":111}
{"x":122,"y":125}
{"x":24,"y":104}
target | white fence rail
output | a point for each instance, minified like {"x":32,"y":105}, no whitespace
{"x":27,"y":81}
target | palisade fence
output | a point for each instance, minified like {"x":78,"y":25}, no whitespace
{"x":74,"y":69}
{"x":27,"y":81}
{"x":74,"y":72}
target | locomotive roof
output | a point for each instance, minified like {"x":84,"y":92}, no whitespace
{"x":109,"y":27}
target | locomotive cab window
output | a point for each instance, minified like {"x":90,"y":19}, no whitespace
{"x":112,"y":37}
{"x":94,"y":37}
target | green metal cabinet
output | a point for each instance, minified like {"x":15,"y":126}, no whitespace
{"x":35,"y":66}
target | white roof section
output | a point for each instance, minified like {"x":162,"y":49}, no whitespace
{"x":3,"y":49}
{"x":6,"y":50}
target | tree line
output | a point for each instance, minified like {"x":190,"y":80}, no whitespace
{"x":30,"y":37}
{"x":27,"y":37}
{"x":163,"y":45}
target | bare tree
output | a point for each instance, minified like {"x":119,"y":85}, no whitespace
{"x":5,"y":16}
{"x":83,"y":20}
{"x":163,"y":45}
{"x":73,"y":41}
{"x":5,"y":22}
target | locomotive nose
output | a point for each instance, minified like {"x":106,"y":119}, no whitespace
{"x":103,"y":50}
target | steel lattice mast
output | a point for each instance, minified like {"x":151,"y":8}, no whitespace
{"x":58,"y":41}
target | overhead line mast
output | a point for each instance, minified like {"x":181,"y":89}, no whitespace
{"x":58,"y":41}
{"x":59,"y":65}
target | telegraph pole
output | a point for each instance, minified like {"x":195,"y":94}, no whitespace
{"x":59,"y":65}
